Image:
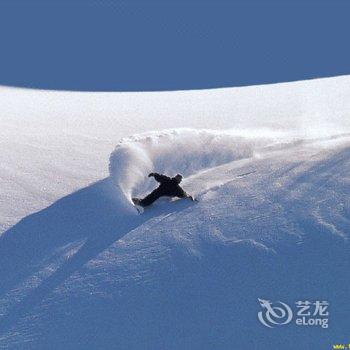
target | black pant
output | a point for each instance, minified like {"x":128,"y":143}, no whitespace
{"x":152,"y":197}
{"x":157,"y":193}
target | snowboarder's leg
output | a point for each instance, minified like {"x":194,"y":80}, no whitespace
{"x":152,"y":197}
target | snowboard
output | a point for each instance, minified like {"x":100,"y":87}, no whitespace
{"x":137,"y":205}
{"x":140,"y":209}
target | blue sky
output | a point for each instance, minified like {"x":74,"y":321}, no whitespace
{"x":169,"y":45}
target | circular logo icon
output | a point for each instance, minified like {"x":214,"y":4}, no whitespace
{"x":273,"y":315}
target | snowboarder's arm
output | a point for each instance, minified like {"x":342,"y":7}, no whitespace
{"x":159,"y":177}
{"x":183,"y":194}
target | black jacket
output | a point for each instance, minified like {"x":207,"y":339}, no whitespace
{"x":169,"y":186}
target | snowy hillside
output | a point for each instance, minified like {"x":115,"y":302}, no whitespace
{"x":81,"y":269}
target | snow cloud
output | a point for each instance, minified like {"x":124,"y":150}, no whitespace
{"x":185,"y":151}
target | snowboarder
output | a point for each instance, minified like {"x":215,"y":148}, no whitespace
{"x":169,"y":187}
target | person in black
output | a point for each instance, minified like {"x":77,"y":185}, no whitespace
{"x":169,"y":186}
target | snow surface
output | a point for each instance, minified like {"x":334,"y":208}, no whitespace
{"x":80,"y":269}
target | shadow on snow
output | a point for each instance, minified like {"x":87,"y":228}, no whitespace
{"x":87,"y":221}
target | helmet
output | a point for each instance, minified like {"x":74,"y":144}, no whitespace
{"x":178,"y":177}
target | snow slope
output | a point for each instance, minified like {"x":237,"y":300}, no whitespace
{"x":269,"y":165}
